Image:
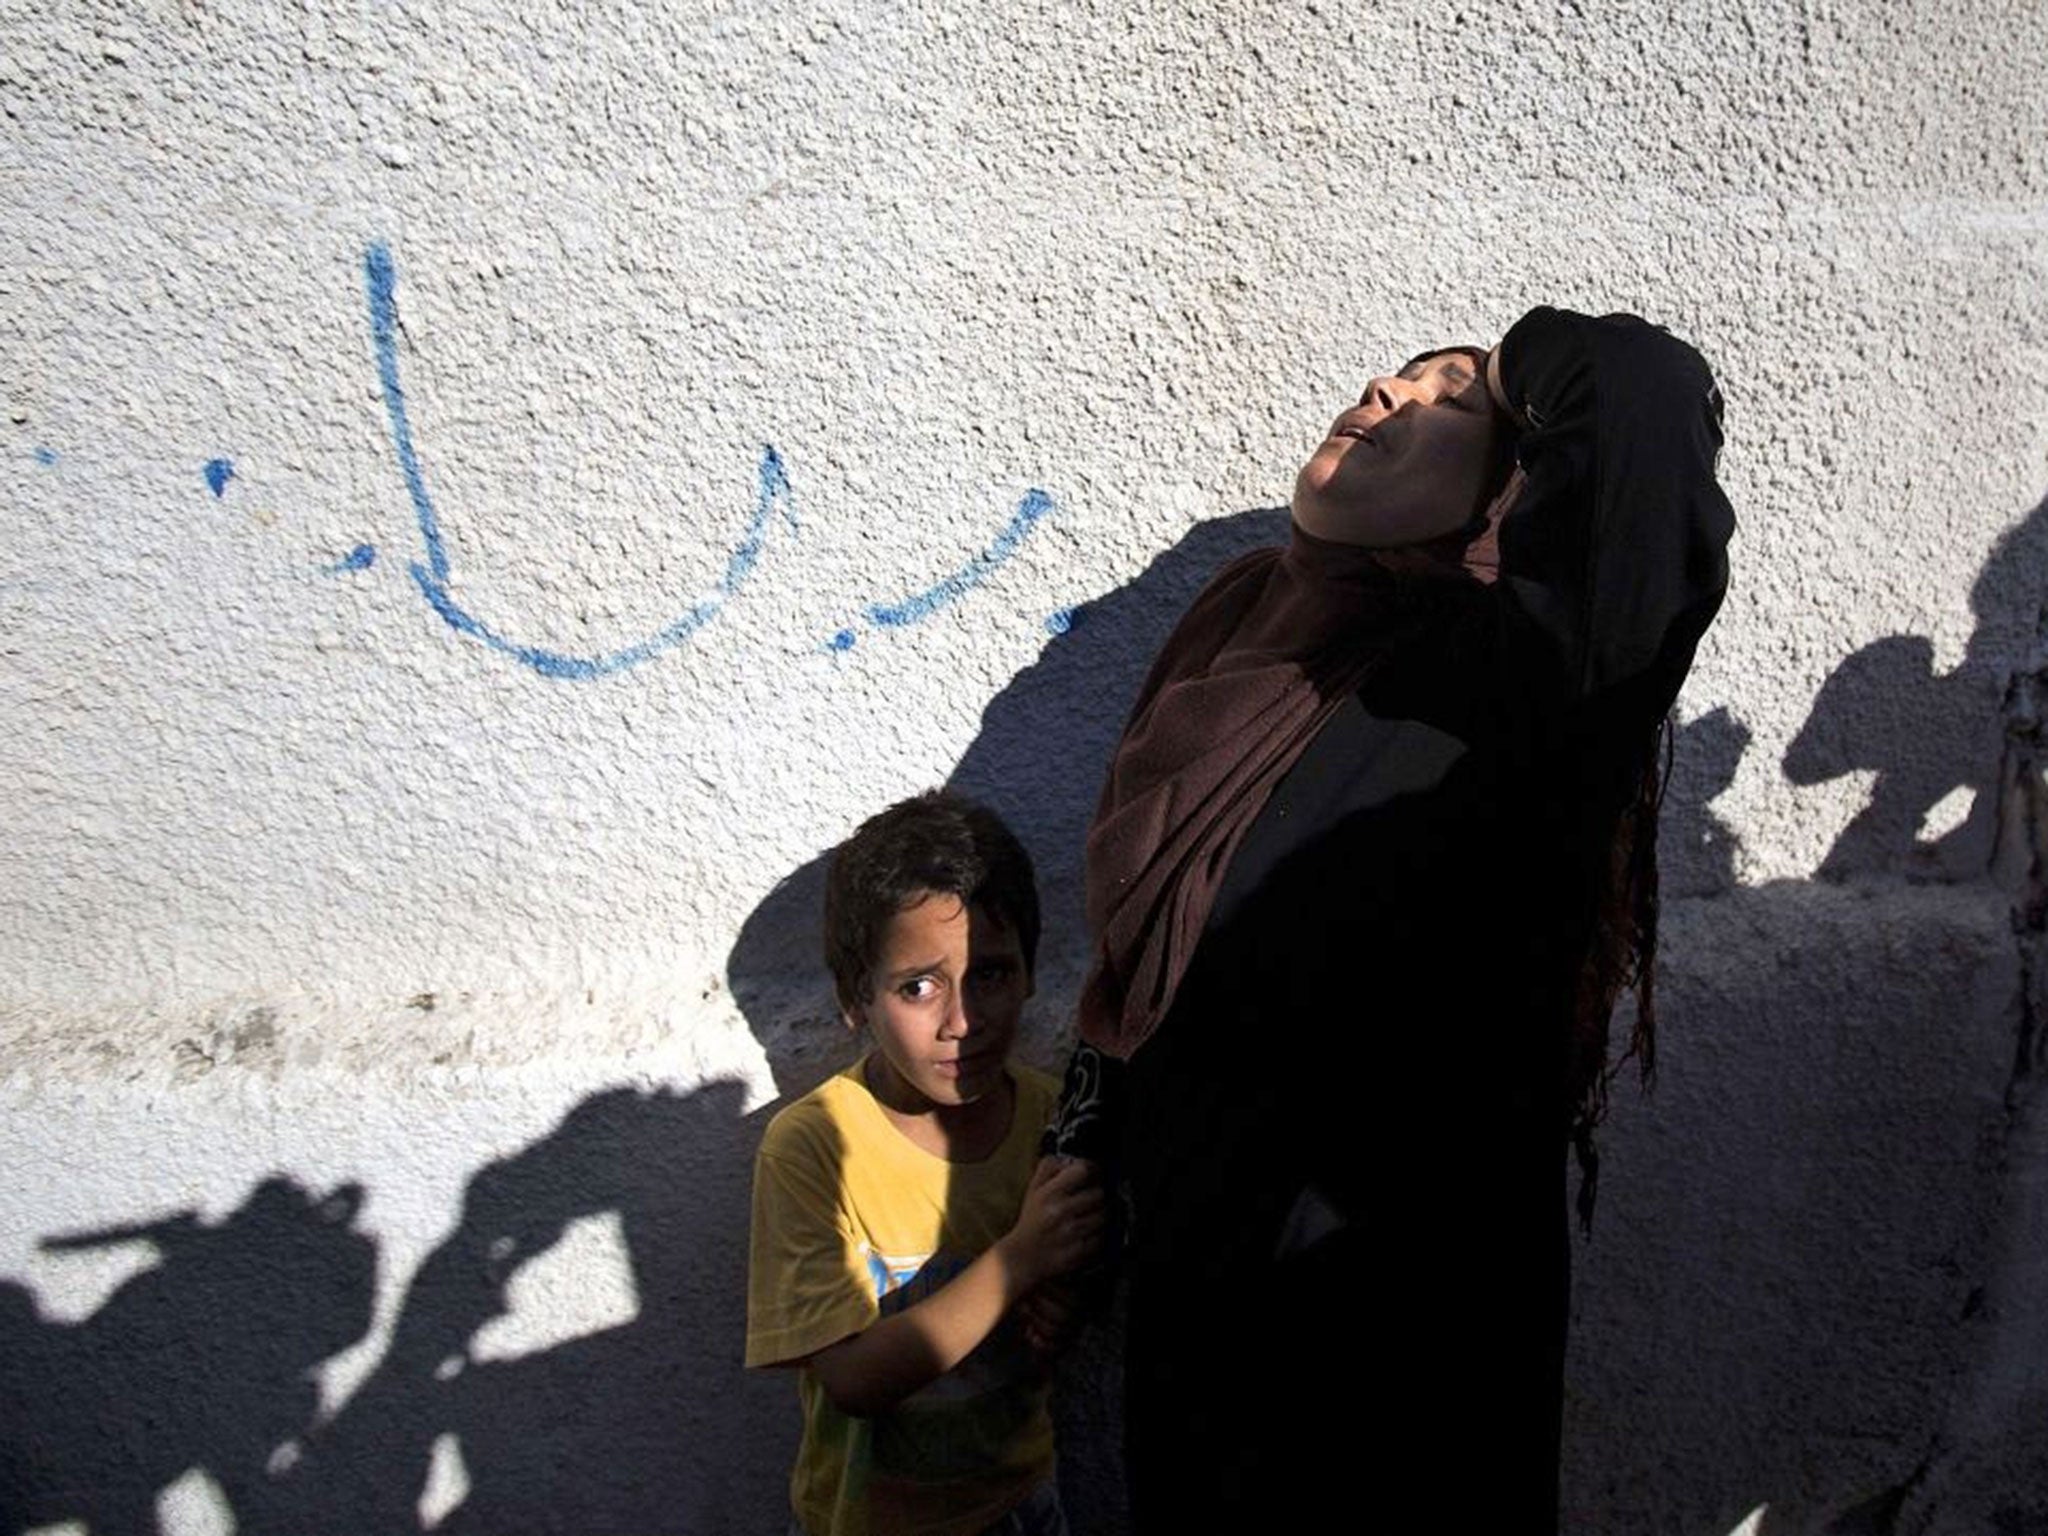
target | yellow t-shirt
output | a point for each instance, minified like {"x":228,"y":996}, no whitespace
{"x":851,"y":1222}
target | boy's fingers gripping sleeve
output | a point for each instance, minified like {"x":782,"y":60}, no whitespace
{"x":807,"y":1281}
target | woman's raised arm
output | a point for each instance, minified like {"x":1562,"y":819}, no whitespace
{"x":1613,"y":557}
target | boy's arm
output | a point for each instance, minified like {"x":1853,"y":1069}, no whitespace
{"x":875,"y":1369}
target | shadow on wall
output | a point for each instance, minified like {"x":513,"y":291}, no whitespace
{"x":1933,"y":739}
{"x":1775,"y":1305}
{"x":205,"y":1362}
{"x":1695,"y":847}
{"x":1038,"y":762}
{"x":1794,"y":1298}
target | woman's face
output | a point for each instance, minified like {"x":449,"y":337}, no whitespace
{"x":1414,"y":460}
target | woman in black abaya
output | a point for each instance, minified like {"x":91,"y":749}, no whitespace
{"x":1374,"y":860}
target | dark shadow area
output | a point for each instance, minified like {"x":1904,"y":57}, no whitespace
{"x":648,"y":1426}
{"x":1037,"y":762}
{"x":203,"y":1361}
{"x":1925,"y":733}
{"x":1791,"y":1299}
{"x":1771,"y":1309}
{"x":1695,"y":847}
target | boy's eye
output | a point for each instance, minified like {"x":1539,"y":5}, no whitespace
{"x":918,"y":988}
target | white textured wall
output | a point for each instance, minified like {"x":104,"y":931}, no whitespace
{"x":491,"y":491}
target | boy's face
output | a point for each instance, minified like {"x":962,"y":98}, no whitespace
{"x":948,"y":988}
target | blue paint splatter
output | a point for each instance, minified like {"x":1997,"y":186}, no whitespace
{"x":922,"y":605}
{"x":772,"y":491}
{"x":1059,"y":621}
{"x":218,"y":473}
{"x":843,"y":641}
{"x":361,"y":558}
{"x":46,"y":456}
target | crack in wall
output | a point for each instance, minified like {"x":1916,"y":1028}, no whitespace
{"x":2020,"y":856}
{"x":1984,"y":1468}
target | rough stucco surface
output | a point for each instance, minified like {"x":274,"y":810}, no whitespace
{"x":490,"y":493}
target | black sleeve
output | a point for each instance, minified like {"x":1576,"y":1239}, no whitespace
{"x":1613,"y":558}
{"x":1089,"y":1119}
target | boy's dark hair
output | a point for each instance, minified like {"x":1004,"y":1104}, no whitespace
{"x":935,"y":843}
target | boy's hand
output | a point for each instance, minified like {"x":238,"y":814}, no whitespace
{"x":1060,"y":1225}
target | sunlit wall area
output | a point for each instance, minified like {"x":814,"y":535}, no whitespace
{"x":490,"y":494}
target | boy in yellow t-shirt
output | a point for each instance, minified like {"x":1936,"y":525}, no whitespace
{"x":900,"y":1210}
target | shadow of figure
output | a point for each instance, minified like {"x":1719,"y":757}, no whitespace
{"x":1046,"y":739}
{"x":1037,"y":761}
{"x":1808,"y":1233}
{"x":204,"y":1361}
{"x":648,"y":1426}
{"x":1926,"y":734}
{"x":1695,"y":847}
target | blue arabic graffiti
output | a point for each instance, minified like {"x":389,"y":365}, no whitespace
{"x":380,"y":277}
{"x":772,"y":492}
{"x":922,"y":605}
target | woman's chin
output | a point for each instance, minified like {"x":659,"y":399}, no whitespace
{"x":1375,"y":526}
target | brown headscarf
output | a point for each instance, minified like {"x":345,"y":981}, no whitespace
{"x":1255,"y":668}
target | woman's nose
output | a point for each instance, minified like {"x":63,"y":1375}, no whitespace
{"x":1389,"y":392}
